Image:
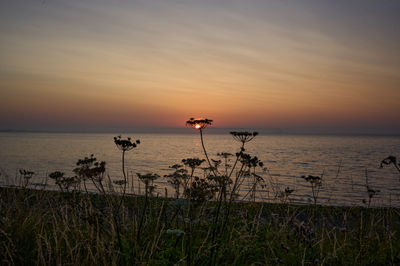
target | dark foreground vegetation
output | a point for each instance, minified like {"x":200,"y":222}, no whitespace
{"x":47,"y":227}
{"x":209,"y":220}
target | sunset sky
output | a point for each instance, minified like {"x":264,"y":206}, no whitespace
{"x":102,"y":65}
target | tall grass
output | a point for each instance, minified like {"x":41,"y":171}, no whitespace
{"x":207,"y":222}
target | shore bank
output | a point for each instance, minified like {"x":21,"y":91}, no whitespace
{"x":48,"y":227}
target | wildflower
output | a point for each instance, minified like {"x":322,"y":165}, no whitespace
{"x":391,"y":160}
{"x":88,"y":168}
{"x":243,"y":136}
{"x":192,"y":162}
{"x":177,"y":178}
{"x":148,"y":180}
{"x":312,"y":179}
{"x":199,"y":123}
{"x":26,"y":174}
{"x":316,"y":184}
{"x":249,"y":161}
{"x":125,"y":144}
{"x":200,"y":190}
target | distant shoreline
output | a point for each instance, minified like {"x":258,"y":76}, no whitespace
{"x":216,"y":131}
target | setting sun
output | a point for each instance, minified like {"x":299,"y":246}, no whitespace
{"x":146,"y":66}
{"x":195,"y":129}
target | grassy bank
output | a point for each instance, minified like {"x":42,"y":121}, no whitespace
{"x":44,"y":227}
{"x":208,"y":222}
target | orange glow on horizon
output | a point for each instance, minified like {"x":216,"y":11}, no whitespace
{"x":156,"y":64}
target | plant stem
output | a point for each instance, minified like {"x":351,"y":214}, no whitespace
{"x":123,"y":171}
{"x":205,"y":152}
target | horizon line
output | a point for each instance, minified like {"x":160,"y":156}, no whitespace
{"x":219,"y":130}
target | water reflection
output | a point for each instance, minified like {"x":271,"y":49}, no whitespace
{"x":344,"y":160}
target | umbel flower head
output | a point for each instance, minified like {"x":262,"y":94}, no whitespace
{"x":243,"y":136}
{"x":198,"y":123}
{"x":125,"y":144}
{"x":193,"y":162}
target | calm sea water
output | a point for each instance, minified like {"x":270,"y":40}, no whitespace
{"x":343,"y":161}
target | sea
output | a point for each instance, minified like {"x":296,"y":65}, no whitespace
{"x":348,"y":166}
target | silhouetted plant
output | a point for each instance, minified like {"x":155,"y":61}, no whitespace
{"x":120,"y":183}
{"x":285,"y":194}
{"x":370,"y":192}
{"x":64,"y":183}
{"x":391,"y":160}
{"x":243,"y":136}
{"x":221,"y":181}
{"x":192,"y":163}
{"x":125,"y":145}
{"x":316,"y":184}
{"x":251,"y":163}
{"x":178,"y":178}
{"x":90,"y":169}
{"x":247,"y":170}
{"x":25,"y":176}
{"x":148,"y":180}
{"x":50,"y":228}
{"x":226,"y":156}
{"x":200,"y":124}
{"x":200,"y":190}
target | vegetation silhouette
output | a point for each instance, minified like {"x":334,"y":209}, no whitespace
{"x":215,"y":216}
{"x":391,"y":160}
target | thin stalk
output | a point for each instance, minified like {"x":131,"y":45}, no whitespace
{"x":205,"y":153}
{"x":236,"y":161}
{"x":123,"y":171}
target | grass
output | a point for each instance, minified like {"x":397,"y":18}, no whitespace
{"x":206,"y":223}
{"x":48,"y":227}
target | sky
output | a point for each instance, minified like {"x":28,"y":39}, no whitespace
{"x":151,"y":64}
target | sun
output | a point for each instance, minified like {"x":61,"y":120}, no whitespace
{"x":199,"y":123}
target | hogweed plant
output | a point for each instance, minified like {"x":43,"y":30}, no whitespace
{"x":200,"y":124}
{"x":391,"y":160}
{"x":284,"y":195}
{"x":221,"y":182}
{"x":178,"y":178}
{"x":148,"y":180}
{"x":90,"y":169}
{"x":207,"y":223}
{"x":316,"y":184}
{"x":251,"y":164}
{"x":25,"y":177}
{"x":243,"y":137}
{"x":63,"y":182}
{"x":125,"y":145}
